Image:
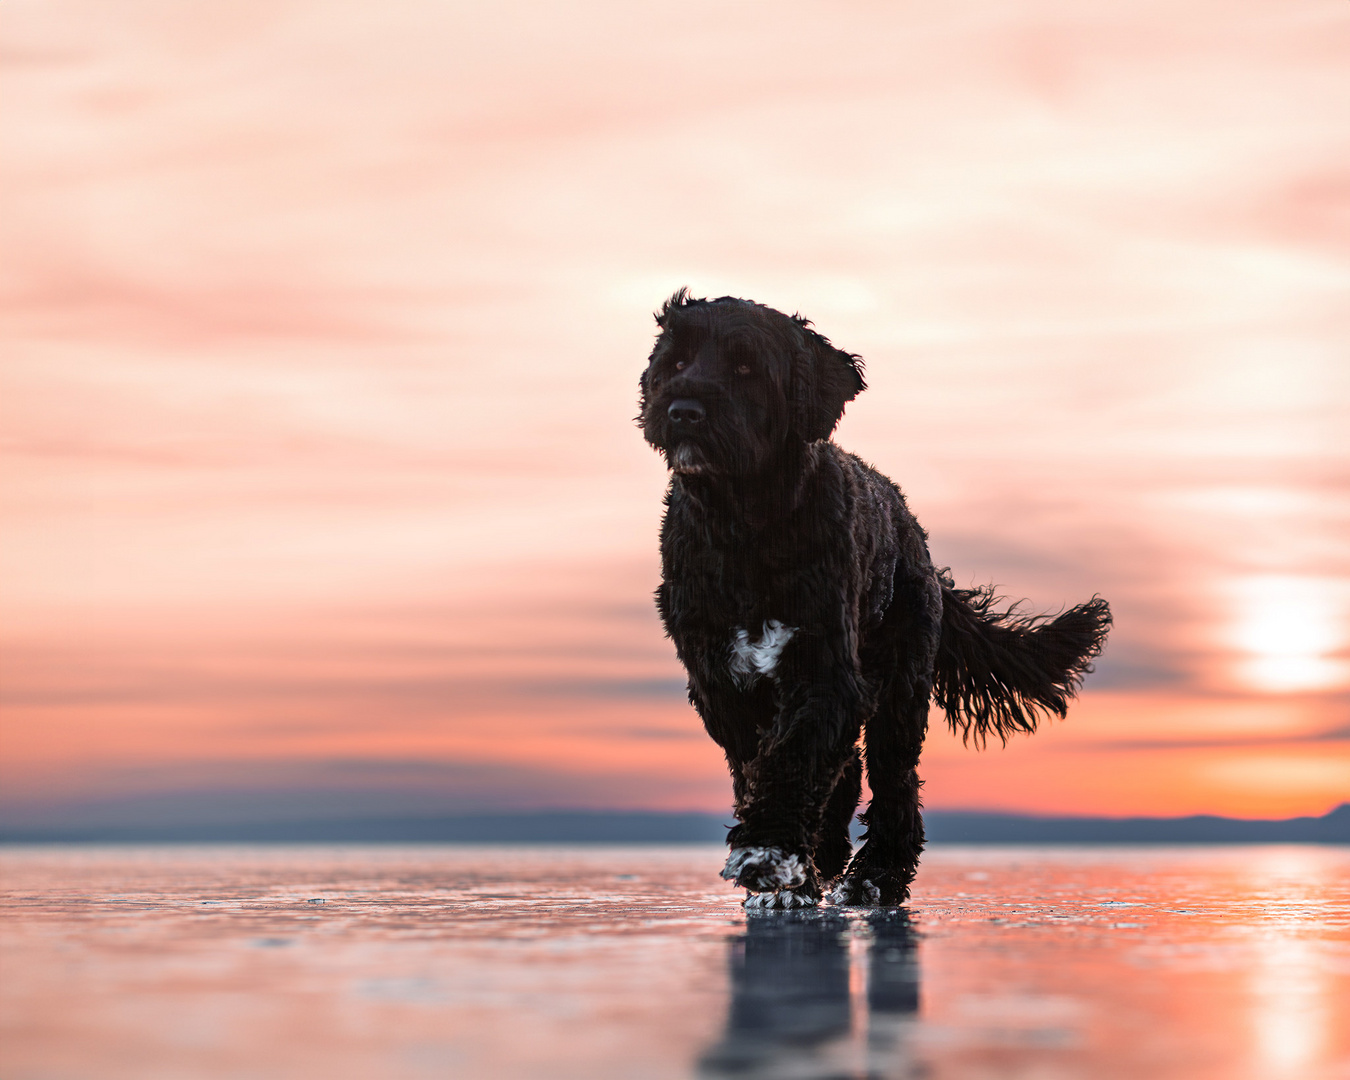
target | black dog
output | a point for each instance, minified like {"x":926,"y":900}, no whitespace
{"x":802,"y":601}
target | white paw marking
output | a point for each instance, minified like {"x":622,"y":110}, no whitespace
{"x":776,"y":867}
{"x":782,"y":900}
{"x":854,"y":893}
{"x":752,"y":659}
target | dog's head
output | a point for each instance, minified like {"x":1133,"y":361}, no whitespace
{"x":731,"y":384}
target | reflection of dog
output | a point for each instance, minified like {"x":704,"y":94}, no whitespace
{"x":799,"y":593}
{"x":789,"y":996}
{"x":792,"y":1004}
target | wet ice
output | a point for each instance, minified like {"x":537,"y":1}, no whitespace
{"x":441,"y":961}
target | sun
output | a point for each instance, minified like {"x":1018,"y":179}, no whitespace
{"x":1289,"y":629}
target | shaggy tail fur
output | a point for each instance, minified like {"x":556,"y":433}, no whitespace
{"x":998,"y":672}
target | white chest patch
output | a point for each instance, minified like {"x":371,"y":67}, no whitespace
{"x":752,"y":659}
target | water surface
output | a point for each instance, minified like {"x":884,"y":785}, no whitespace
{"x":445,"y":961}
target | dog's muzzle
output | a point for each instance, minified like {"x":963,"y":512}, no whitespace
{"x":685,"y":415}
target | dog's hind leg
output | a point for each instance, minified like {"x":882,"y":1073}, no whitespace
{"x":835,"y":845}
{"x":884,"y":866}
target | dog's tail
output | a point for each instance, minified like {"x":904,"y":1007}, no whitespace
{"x":999,"y":672}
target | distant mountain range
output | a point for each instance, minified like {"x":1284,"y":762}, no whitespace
{"x":977,"y":827}
{"x":623,"y":826}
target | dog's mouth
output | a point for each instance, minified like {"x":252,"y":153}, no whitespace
{"x":688,"y":460}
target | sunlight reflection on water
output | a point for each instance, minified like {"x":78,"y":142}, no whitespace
{"x":635,"y":962}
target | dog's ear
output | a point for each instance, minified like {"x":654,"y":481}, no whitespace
{"x":641,"y":417}
{"x":678,"y":299}
{"x":644,"y":385}
{"x":825,"y":379}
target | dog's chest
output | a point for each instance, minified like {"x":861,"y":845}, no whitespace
{"x":756,"y":658}
{"x":724,"y":608}
{"x":730,"y":594}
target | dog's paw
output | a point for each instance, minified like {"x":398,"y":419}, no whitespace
{"x":765,"y":869}
{"x":854,"y":892}
{"x":781,"y":900}
{"x":871,"y":888}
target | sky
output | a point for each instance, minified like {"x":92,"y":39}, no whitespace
{"x":322,"y":325}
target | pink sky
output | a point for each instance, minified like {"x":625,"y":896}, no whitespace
{"x":323,"y":322}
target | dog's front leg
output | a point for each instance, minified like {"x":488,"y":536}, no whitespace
{"x":789,"y":781}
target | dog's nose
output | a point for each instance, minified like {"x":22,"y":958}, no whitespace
{"x":685,"y":410}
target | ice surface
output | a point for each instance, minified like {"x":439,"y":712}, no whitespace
{"x":214,"y":963}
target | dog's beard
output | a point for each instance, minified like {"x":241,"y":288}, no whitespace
{"x":688,"y":460}
{"x":715,"y":457}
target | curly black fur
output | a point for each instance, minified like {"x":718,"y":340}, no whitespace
{"x":802,"y":601}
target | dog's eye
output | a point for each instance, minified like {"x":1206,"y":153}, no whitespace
{"x":679,"y":365}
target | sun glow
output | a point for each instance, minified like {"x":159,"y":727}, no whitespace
{"x":1290,"y":629}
